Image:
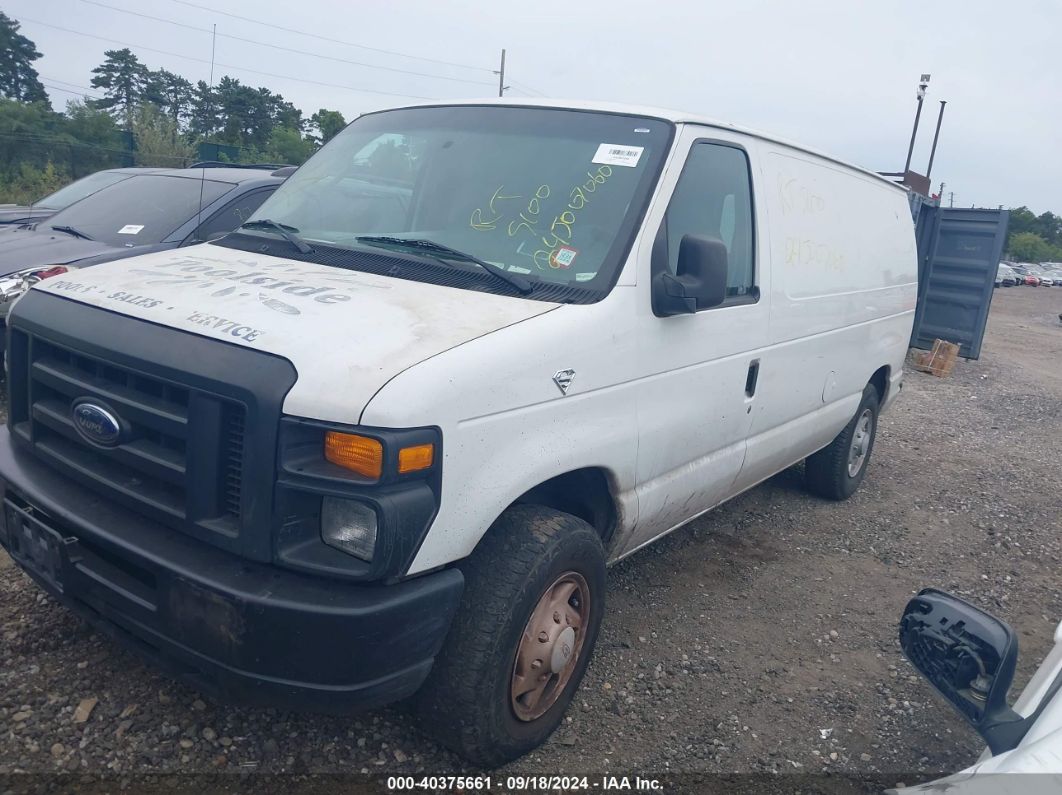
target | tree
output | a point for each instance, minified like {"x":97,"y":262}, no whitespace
{"x":1046,"y":226}
{"x":204,"y":121}
{"x":1029,"y":247}
{"x":171,"y":93}
{"x":288,"y":146}
{"x":100,"y":142}
{"x":123,"y":79}
{"x":18,"y":79}
{"x":243,"y":111}
{"x":284,"y":113}
{"x":31,"y":134}
{"x":328,"y":123}
{"x":158,"y":140}
{"x":250,"y":114}
{"x":1050,"y":228}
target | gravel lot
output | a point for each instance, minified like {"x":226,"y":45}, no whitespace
{"x":760,"y":639}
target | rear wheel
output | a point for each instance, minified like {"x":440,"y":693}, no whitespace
{"x":836,"y":471}
{"x":532,"y":608}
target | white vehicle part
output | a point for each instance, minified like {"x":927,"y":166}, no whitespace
{"x":1040,"y":751}
{"x":347,"y":333}
{"x":659,"y":404}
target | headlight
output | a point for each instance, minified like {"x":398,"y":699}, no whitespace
{"x":14,"y":285}
{"x":349,"y":526}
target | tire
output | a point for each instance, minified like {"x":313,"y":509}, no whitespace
{"x":828,"y":473}
{"x":467,"y":702}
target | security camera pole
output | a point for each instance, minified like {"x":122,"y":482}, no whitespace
{"x":923,"y":84}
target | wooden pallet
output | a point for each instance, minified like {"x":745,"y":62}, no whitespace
{"x":939,"y":361}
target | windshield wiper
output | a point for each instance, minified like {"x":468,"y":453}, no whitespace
{"x":71,"y":231}
{"x":519,"y":283}
{"x":289,"y":233}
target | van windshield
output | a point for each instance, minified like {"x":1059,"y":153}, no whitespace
{"x":554,"y":196}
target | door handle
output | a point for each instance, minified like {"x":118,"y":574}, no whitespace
{"x":752,"y":377}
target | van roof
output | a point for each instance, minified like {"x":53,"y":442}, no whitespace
{"x":675,"y":116}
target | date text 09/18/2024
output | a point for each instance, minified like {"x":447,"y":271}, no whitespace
{"x":522,"y":783}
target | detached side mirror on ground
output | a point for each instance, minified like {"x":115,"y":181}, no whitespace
{"x":969,"y":657}
{"x":700,"y":282}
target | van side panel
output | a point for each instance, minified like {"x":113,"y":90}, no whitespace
{"x":507,"y":426}
{"x":844,"y":287}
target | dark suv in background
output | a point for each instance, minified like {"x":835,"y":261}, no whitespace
{"x":12,"y":215}
{"x":146,"y":210}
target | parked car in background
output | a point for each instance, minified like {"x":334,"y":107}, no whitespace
{"x":1027,"y":276}
{"x":1045,"y":277}
{"x":1056,"y":274}
{"x":150,"y":210}
{"x":1005,"y":277}
{"x":11,"y":215}
{"x":969,"y":656}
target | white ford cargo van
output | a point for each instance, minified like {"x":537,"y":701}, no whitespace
{"x":385,"y":438}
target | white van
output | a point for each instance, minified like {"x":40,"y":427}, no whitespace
{"x":385,"y":438}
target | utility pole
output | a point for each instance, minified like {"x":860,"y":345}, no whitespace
{"x":501,"y":77}
{"x":940,"y":193}
{"x":923,"y":84}
{"x":936,"y":135}
{"x":951,"y":199}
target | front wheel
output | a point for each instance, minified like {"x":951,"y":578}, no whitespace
{"x":836,"y":471}
{"x":532,"y":608}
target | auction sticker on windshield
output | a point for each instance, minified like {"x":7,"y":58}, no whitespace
{"x":618,"y":155}
{"x":563,"y":257}
{"x":131,"y":229}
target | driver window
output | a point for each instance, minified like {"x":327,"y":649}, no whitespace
{"x":714,"y":198}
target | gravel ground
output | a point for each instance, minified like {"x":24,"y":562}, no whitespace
{"x":760,"y":639}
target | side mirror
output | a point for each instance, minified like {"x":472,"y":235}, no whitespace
{"x":969,"y":657}
{"x":701,"y":279}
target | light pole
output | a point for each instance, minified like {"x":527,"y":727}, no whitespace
{"x":936,"y":135}
{"x":923,"y":84}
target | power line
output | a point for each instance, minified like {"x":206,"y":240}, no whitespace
{"x":286,"y":49}
{"x":66,"y":82}
{"x":86,"y":89}
{"x":326,"y":38}
{"x":70,"y":91}
{"x":528,"y":90}
{"x":226,"y":66}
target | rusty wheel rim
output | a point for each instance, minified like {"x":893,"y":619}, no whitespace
{"x":550,"y":646}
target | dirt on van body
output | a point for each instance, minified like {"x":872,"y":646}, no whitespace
{"x":760,"y":639}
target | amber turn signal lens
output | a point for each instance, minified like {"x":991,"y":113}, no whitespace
{"x":357,"y":453}
{"x":414,"y":459}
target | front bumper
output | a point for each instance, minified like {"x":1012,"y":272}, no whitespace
{"x":234,"y":628}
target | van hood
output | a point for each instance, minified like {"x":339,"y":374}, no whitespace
{"x":347,"y":333}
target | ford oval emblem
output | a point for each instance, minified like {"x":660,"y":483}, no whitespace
{"x":96,"y":424}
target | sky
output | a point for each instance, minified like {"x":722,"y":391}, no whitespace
{"x":839,"y":76}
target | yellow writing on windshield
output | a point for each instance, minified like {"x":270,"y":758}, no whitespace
{"x":479,"y":223}
{"x":528,"y":220}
